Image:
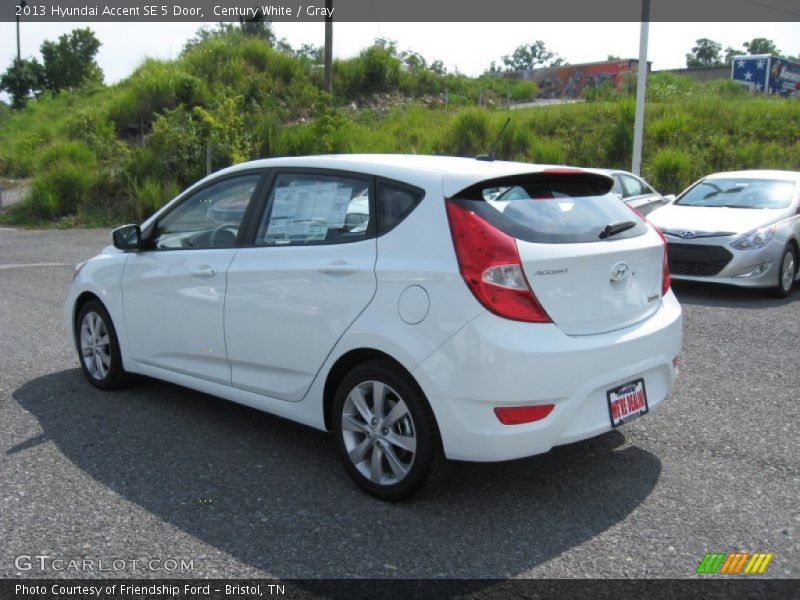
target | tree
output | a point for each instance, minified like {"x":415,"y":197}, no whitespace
{"x":730,"y":53}
{"x":386,"y":44}
{"x":23,"y":78}
{"x":258,"y":26}
{"x":70,"y":63}
{"x":414,"y":60}
{"x":705,"y":53}
{"x":438,"y":67}
{"x":613,"y":57}
{"x":528,"y":56}
{"x":761,"y":46}
{"x":309,"y":54}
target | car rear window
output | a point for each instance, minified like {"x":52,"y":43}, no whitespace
{"x":549,"y":209}
{"x":739,"y":193}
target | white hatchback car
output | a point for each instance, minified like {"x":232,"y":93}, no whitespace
{"x":386,"y":299}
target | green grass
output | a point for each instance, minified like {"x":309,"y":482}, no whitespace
{"x":111,"y":154}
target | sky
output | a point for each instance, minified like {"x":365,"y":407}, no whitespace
{"x":466,"y":47}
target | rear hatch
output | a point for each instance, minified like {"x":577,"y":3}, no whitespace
{"x":591,"y":263}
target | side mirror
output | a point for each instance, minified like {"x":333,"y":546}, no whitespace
{"x":669,"y":198}
{"x":127,"y":237}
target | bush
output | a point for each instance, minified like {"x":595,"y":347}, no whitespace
{"x":723,"y":88}
{"x":619,"y":146}
{"x":671,"y":170}
{"x":375,"y":69}
{"x":74,"y":152}
{"x":177,"y":138}
{"x":60,"y":189}
{"x":155,"y":87}
{"x":469,"y":133}
{"x":147,"y":196}
{"x":547,"y":151}
{"x":265,"y":130}
{"x":671,"y":128}
{"x":666,"y":87}
{"x":523,"y":91}
{"x":602,"y":92}
{"x":142,"y":163}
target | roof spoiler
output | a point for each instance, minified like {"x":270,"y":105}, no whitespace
{"x":569,"y":180}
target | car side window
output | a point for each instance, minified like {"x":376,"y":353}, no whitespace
{"x":208,"y":218}
{"x":307,"y":209}
{"x":633,"y":187}
{"x":395,"y":203}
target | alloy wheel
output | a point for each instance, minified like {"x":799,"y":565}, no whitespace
{"x":378,"y":433}
{"x":787,"y":271}
{"x":95,"y":345}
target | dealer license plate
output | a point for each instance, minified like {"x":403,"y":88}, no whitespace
{"x":626,"y":402}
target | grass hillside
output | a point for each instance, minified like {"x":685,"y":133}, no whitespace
{"x":109,"y":154}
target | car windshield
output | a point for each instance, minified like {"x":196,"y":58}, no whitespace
{"x":739,"y":193}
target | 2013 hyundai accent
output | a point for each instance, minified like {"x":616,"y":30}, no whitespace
{"x":397,"y":301}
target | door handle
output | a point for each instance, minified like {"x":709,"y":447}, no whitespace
{"x":203,"y":271}
{"x":339,"y":268}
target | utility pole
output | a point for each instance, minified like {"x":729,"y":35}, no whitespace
{"x":23,"y":4}
{"x":329,"y":46}
{"x":641,"y":84}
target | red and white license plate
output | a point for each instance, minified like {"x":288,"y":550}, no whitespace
{"x":626,"y":402}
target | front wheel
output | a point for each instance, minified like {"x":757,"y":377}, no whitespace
{"x":787,"y":271}
{"x":385,"y":431}
{"x":98,"y":347}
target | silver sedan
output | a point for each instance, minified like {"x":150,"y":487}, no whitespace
{"x":740,"y":228}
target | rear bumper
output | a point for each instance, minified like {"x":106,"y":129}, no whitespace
{"x":497,"y":362}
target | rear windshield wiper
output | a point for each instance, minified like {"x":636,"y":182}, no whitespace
{"x":615,"y":228}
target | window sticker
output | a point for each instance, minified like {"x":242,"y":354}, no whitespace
{"x":306,"y":212}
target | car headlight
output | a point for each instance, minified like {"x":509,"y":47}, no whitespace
{"x":754,"y":239}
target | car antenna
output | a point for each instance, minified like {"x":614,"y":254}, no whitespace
{"x":493,"y":152}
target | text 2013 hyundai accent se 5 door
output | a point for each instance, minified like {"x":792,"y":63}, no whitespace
{"x":388,"y":300}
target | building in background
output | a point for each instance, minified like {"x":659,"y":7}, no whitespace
{"x":702,"y":73}
{"x":570,"y":81}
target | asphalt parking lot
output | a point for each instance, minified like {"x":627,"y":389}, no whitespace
{"x":160,"y":472}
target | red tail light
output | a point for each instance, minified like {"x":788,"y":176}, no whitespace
{"x":490,"y":265}
{"x":666,"y":279}
{"x":516,"y":415}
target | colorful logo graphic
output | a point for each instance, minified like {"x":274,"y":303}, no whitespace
{"x":724,"y":563}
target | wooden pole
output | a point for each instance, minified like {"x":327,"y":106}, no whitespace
{"x":329,"y":47}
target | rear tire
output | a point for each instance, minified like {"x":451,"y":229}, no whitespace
{"x":385,"y":432}
{"x":787,"y":271}
{"x":98,"y":347}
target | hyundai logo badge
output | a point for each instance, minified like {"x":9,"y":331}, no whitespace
{"x":620,"y":271}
